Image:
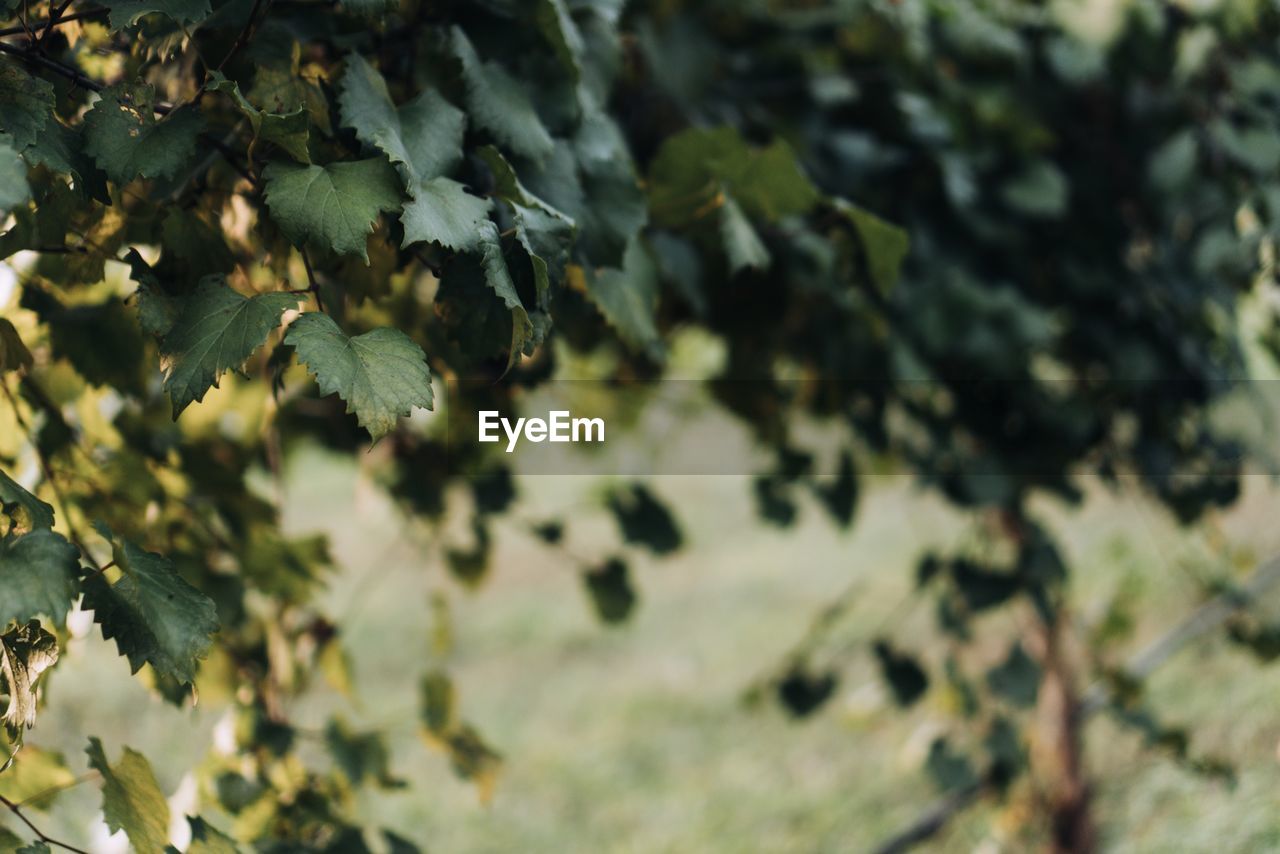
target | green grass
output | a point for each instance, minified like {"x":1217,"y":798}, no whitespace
{"x":637,"y":739}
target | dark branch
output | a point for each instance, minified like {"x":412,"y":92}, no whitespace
{"x":40,"y":834}
{"x":96,"y":12}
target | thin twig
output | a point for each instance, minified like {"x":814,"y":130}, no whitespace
{"x":54,"y":17}
{"x":247,"y":33}
{"x":59,"y":68}
{"x":40,"y":834}
{"x":312,"y":284}
{"x":95,"y":12}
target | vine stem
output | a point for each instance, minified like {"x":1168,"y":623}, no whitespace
{"x":1205,"y":618}
{"x":312,"y":284}
{"x":40,"y":834}
{"x":54,"y":17}
{"x":46,"y":25}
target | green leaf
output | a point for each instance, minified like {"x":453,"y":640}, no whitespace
{"x":126,"y":140}
{"x":498,"y":103}
{"x":216,"y":330}
{"x":39,"y":574}
{"x":906,"y":678}
{"x":62,"y":149}
{"x":423,"y":139}
{"x":498,"y":278}
{"x":628,"y":299}
{"x":126,"y":13}
{"x":558,"y":28}
{"x":885,"y":244}
{"x":26,"y":104}
{"x":1017,"y":678}
{"x":948,"y":769}
{"x":14,"y":189}
{"x":290,"y":130}
{"x":14,"y":355}
{"x":192,"y":246}
{"x":36,"y":847}
{"x":38,"y":513}
{"x":644,"y":520}
{"x":381,"y":374}
{"x":507,"y":185}
{"x":207,"y":839}
{"x":26,"y":651}
{"x":36,"y":778}
{"x":694,"y":166}
{"x":1040,"y":190}
{"x":154,"y":616}
{"x":438,"y":702}
{"x":742,"y":245}
{"x":335,"y":205}
{"x":131,"y":798}
{"x":610,"y":589}
{"x":360,"y":756}
{"x":442,"y":211}
{"x":10,"y":841}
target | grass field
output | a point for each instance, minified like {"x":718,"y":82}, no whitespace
{"x":637,"y":738}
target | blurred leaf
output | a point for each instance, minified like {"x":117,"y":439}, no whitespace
{"x":131,"y":798}
{"x":39,"y":574}
{"x":1017,"y":678}
{"x":906,"y":678}
{"x":947,"y":769}
{"x":36,"y":778}
{"x":611,"y":592}
{"x":644,"y":520}
{"x":803,"y":692}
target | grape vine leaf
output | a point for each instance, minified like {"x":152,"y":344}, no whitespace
{"x":628,"y":298}
{"x":14,"y":189}
{"x":334,"y":205}
{"x":609,"y":587}
{"x":126,"y":13}
{"x":39,"y":574}
{"x":742,"y":245}
{"x":126,"y":140}
{"x":442,"y":211}
{"x":885,"y":245}
{"x":14,"y":355}
{"x":694,"y":166}
{"x":216,"y":330}
{"x":26,"y":651}
{"x":36,"y":779}
{"x":423,"y":139}
{"x":559,"y":29}
{"x":381,"y":374}
{"x":497,"y":103}
{"x":38,"y":513}
{"x":498,"y":278}
{"x":26,"y":104}
{"x":10,"y":841}
{"x":290,"y":131}
{"x":207,"y":839}
{"x":131,"y":798}
{"x":645,"y":520}
{"x":62,"y":149}
{"x":153,"y":614}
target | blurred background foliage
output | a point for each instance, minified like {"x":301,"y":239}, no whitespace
{"x":987,"y":286}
